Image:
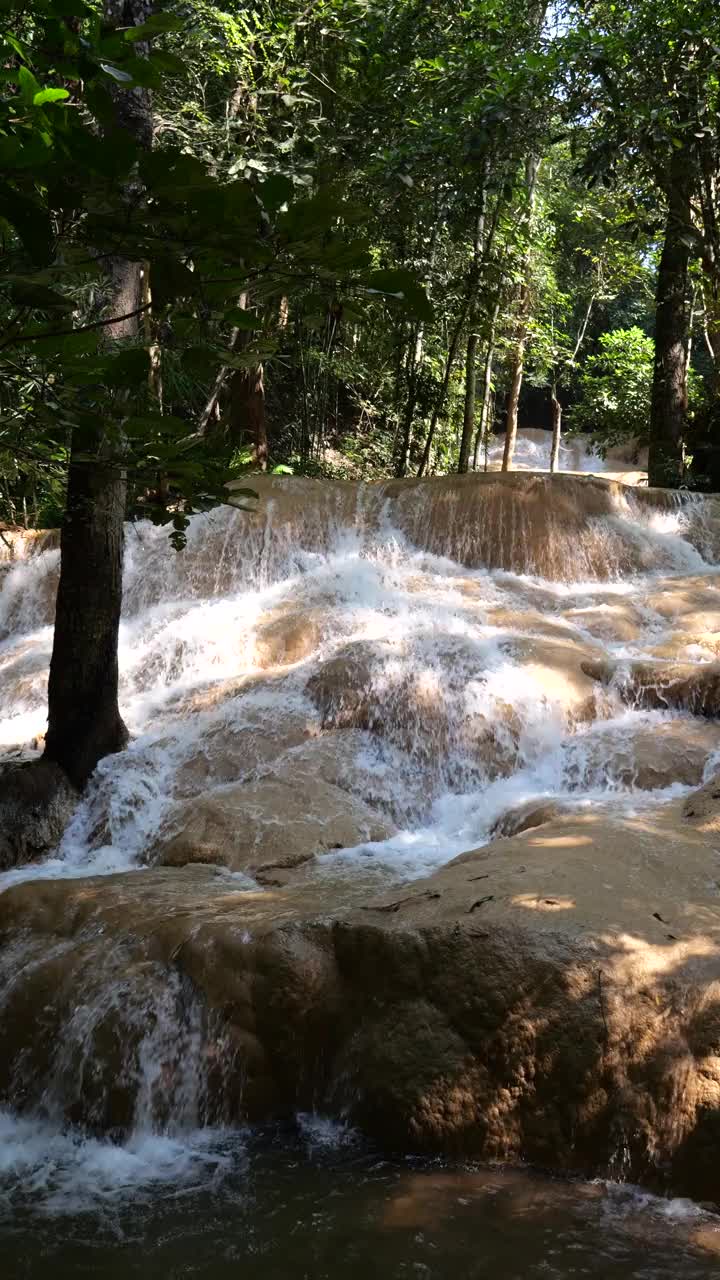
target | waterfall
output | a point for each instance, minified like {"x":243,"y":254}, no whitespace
{"x":352,"y":680}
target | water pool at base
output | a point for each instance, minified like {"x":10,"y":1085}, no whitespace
{"x":274,"y":1209}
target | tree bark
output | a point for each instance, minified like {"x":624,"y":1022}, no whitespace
{"x":521,"y":326}
{"x":84,"y":721}
{"x":556,"y":431}
{"x":414,"y":360}
{"x":466,"y":439}
{"x":246,"y":409}
{"x":482,"y":430}
{"x":442,"y":395}
{"x":469,"y":407}
{"x":668,"y":410}
{"x":516,"y":379}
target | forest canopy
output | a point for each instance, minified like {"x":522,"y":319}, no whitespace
{"x":367,"y":235}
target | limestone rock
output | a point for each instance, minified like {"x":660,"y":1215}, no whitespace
{"x":702,"y":808}
{"x":533,"y":813}
{"x":288,"y":635}
{"x":547,"y":998}
{"x":266,"y":825}
{"x":694,"y":687}
{"x":647,"y":757}
{"x":342,"y":688}
{"x":230,"y":750}
{"x":559,"y":671}
{"x":36,"y":803}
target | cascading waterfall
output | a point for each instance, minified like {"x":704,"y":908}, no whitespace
{"x":414,"y":648}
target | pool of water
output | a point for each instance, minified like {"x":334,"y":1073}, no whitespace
{"x":265,"y":1207}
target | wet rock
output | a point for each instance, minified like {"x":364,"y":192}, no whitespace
{"x":232,"y":749}
{"x":551,"y":997}
{"x":702,"y":808}
{"x":36,"y":803}
{"x":558,"y":669}
{"x":610,"y":620}
{"x":342,"y":689}
{"x":559,"y":527}
{"x":266,"y":825}
{"x":647,"y":757}
{"x":693,"y":687}
{"x":287,"y":635}
{"x":533,"y":813}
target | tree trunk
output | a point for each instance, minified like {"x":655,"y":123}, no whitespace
{"x":516,"y":379}
{"x":466,"y":439}
{"x":556,"y":431}
{"x":668,"y":411}
{"x":482,"y":430}
{"x":442,"y":395}
{"x":469,"y":409}
{"x":246,"y":409}
{"x":521,"y":326}
{"x":84,"y":721}
{"x":414,"y":360}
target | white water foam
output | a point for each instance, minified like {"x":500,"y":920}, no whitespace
{"x":65,"y":1172}
{"x":451,"y":652}
{"x":472,"y":701}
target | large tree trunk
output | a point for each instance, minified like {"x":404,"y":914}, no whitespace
{"x":668,"y":412}
{"x":84,"y":721}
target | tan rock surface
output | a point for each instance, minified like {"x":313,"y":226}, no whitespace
{"x":554,"y":996}
{"x":287,"y":635}
{"x":702,"y":809}
{"x":648,"y":756}
{"x":693,"y":687}
{"x":266,"y":825}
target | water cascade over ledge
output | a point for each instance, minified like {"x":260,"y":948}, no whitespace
{"x":402,"y":834}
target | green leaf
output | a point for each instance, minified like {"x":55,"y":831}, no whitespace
{"x":49,"y":95}
{"x":170,"y":279}
{"x":14,"y":44}
{"x":143,"y":72}
{"x":402,"y":286}
{"x":127,"y":368}
{"x":169,"y":62}
{"x":276,"y":191}
{"x":26,"y":292}
{"x":31,"y":222}
{"x":29,"y":86}
{"x":115,"y":73}
{"x":155,"y":26}
{"x":241,"y":319}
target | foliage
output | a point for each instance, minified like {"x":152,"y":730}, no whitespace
{"x":614,"y":389}
{"x":334,"y":204}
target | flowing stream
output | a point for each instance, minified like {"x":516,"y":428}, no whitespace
{"x":420,"y":649}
